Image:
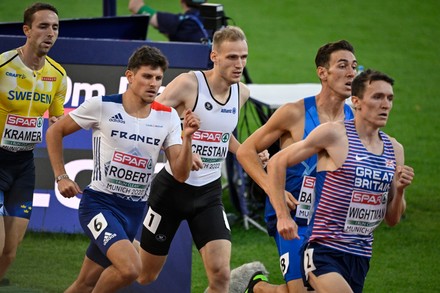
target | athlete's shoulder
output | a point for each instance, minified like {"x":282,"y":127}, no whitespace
{"x":7,"y":56}
{"x":332,"y":129}
{"x":244,"y":90}
{"x":396,"y":145}
{"x":56,"y":66}
{"x":292,"y":111}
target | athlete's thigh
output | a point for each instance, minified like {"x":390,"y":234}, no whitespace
{"x":123,"y":254}
{"x":19,"y":194}
{"x":297,"y":286}
{"x":290,"y":254}
{"x":208,"y":221}
{"x":324,"y":268}
{"x":158,"y":230}
{"x":102,"y":224}
{"x":329,"y":283}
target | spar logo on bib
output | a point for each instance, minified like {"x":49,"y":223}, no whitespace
{"x":131,"y":160}
{"x":211,"y":136}
{"x":25,"y":121}
{"x":369,"y":198}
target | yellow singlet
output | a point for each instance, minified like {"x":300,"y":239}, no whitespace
{"x":25,"y":95}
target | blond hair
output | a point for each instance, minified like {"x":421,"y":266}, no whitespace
{"x":228,"y":33}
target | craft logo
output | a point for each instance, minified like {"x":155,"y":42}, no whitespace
{"x":16,"y":75}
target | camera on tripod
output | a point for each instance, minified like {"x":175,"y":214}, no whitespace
{"x":212,"y":14}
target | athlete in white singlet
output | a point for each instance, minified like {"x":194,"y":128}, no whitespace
{"x":129,"y":132}
{"x":215,"y":95}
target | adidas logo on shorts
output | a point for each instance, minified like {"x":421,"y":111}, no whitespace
{"x":108,"y":237}
{"x":117,"y":118}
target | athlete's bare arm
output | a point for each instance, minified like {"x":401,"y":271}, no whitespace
{"x":180,"y":93}
{"x":180,"y":156}
{"x":402,"y":178}
{"x":327,"y":140}
{"x":54,"y":140}
{"x":283,"y":123}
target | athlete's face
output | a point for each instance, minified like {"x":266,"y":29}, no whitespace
{"x":43,"y":32}
{"x":230,"y":59}
{"x":376,"y":104}
{"x":340,"y":72}
{"x":145,"y":82}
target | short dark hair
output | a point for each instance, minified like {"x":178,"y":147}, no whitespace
{"x":147,"y":56}
{"x":366,"y":77}
{"x":323,"y":55}
{"x":28,"y":16}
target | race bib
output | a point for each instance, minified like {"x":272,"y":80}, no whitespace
{"x":306,"y":199}
{"x":129,"y":174}
{"x":22,"y":133}
{"x":308,"y":264}
{"x":366,"y":212}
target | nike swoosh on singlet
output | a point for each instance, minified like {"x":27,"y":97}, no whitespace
{"x":360,"y":158}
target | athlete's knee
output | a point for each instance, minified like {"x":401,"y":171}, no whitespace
{"x":219,"y":277}
{"x":129,"y":273}
{"x":80,"y":286}
{"x":147,"y":278}
{"x":8,"y":255}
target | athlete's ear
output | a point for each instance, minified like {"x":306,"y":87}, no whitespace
{"x":26,"y":30}
{"x":321,"y":71}
{"x":129,"y":75}
{"x":356,"y":102}
{"x":213,"y":56}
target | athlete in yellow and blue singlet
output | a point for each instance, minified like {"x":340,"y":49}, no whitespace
{"x":25,"y":95}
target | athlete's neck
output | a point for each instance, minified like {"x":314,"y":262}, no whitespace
{"x":30,"y":59}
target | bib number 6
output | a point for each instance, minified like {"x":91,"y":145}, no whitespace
{"x":97,"y":224}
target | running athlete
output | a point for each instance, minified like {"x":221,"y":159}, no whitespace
{"x":336,"y":68}
{"x":129,"y":131}
{"x":216,"y":96}
{"x":361,"y":178}
{"x":30,"y":84}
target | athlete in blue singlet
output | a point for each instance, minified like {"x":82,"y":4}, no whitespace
{"x":361,"y":181}
{"x":129,"y":131}
{"x":336,"y":68}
